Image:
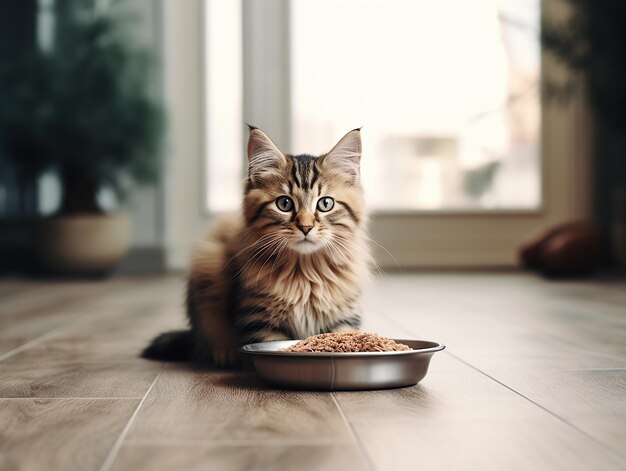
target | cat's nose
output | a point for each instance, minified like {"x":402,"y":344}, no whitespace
{"x":305,"y":229}
{"x":305,"y":221}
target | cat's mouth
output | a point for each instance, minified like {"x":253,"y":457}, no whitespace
{"x":306,"y":245}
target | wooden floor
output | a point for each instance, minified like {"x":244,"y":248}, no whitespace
{"x":534,"y":377}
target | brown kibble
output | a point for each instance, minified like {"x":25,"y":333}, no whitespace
{"x":347,"y":342}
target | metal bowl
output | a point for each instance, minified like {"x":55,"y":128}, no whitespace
{"x":341,"y":371}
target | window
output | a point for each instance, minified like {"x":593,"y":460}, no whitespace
{"x":447,"y":92}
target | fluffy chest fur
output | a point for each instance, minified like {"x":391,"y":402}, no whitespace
{"x":302,"y":296}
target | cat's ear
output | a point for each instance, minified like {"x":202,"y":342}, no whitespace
{"x":263,"y":155}
{"x":346,"y":155}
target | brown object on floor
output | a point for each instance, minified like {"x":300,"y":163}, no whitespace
{"x":570,"y":249}
{"x":347,"y":342}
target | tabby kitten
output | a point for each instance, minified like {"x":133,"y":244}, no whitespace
{"x":292,"y":264}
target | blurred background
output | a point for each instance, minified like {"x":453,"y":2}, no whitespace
{"x":493,"y":131}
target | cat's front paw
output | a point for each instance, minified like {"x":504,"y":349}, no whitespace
{"x":225,"y":355}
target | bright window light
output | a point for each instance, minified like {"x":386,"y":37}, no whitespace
{"x":447,"y":92}
{"x":223,"y":105}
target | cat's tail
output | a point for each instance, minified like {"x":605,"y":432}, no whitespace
{"x":176,"y":345}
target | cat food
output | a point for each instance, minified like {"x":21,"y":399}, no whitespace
{"x":347,"y":342}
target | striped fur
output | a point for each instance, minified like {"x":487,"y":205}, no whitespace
{"x":257,"y":276}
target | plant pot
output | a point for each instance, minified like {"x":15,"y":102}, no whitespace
{"x":82,"y":244}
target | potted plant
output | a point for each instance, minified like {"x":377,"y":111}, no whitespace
{"x":591,"y":42}
{"x":82,"y":111}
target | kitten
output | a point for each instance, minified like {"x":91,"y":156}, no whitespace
{"x":292,"y":264}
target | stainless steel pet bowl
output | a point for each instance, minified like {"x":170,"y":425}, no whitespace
{"x":341,"y":371}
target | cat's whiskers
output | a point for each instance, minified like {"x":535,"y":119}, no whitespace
{"x":345,"y":248}
{"x":369,"y":257}
{"x":263,"y":238}
{"x":338,"y":253}
{"x":272,"y":249}
{"x":249,"y":247}
{"x":278,"y":255}
{"x":361,"y":251}
{"x":384,"y":248}
{"x":256,"y":255}
{"x":260,"y":239}
{"x":278,"y":246}
{"x":266,"y":247}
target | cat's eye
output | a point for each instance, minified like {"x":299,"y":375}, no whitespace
{"x":284,"y":203}
{"x":325,"y":204}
